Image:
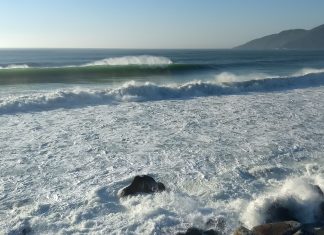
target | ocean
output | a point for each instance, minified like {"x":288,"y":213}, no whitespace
{"x":228,"y":132}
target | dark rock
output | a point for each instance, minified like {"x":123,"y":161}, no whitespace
{"x":219,"y":223}
{"x":142,"y":184}
{"x":196,"y":231}
{"x":210,"y":232}
{"x":319,"y":231}
{"x":242,"y":231}
{"x":318,"y":190}
{"x":281,"y":228}
{"x":311,"y":229}
{"x":278,"y":213}
{"x":319,"y":217}
{"x":161,"y":186}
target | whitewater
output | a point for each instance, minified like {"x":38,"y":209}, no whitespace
{"x":227,"y":137}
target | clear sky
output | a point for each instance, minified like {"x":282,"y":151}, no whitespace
{"x":149,"y":23}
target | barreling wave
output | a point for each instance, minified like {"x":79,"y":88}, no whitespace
{"x":132,"y":91}
{"x":96,"y":71}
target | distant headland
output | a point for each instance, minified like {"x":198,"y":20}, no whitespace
{"x":299,"y":39}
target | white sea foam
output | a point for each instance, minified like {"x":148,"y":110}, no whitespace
{"x":227,"y":77}
{"x":307,"y":71}
{"x":15,"y":66}
{"x":61,"y":170}
{"x":144,"y":60}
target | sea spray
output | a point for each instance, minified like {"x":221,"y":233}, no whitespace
{"x":144,"y":60}
{"x":299,"y":196}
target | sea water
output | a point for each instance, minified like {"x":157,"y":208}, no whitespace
{"x":227,"y":132}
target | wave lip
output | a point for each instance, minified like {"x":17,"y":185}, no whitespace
{"x":143,"y":60}
{"x":307,"y":71}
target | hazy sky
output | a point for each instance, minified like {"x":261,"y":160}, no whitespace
{"x":149,"y":23}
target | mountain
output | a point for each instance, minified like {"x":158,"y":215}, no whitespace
{"x":290,"y":39}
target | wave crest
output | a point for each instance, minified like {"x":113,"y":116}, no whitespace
{"x":15,"y":66}
{"x":144,"y":60}
{"x":307,"y":71}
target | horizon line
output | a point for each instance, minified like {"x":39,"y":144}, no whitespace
{"x":109,"y":48}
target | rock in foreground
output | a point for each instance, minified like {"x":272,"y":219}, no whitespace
{"x":283,"y":228}
{"x":142,"y":184}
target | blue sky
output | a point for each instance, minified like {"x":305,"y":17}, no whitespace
{"x":149,"y":23}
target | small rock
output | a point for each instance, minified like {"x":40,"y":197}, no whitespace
{"x":281,"y":228}
{"x":242,"y":231}
{"x":142,"y":184}
{"x":319,"y":231}
{"x":219,"y":223}
{"x":197,"y":231}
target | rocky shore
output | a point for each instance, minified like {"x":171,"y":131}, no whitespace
{"x":281,"y":218}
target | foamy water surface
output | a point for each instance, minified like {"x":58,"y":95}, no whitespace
{"x":228,"y":133}
{"x":61,"y":169}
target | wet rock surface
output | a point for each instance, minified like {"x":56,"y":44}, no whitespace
{"x":142,"y":184}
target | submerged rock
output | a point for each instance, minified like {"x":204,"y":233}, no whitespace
{"x":142,"y":184}
{"x":197,"y":231}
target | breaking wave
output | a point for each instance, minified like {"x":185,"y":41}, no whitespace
{"x":15,"y":66}
{"x":144,"y":60}
{"x":132,"y":91}
{"x":306,"y":71}
{"x":96,"y":71}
